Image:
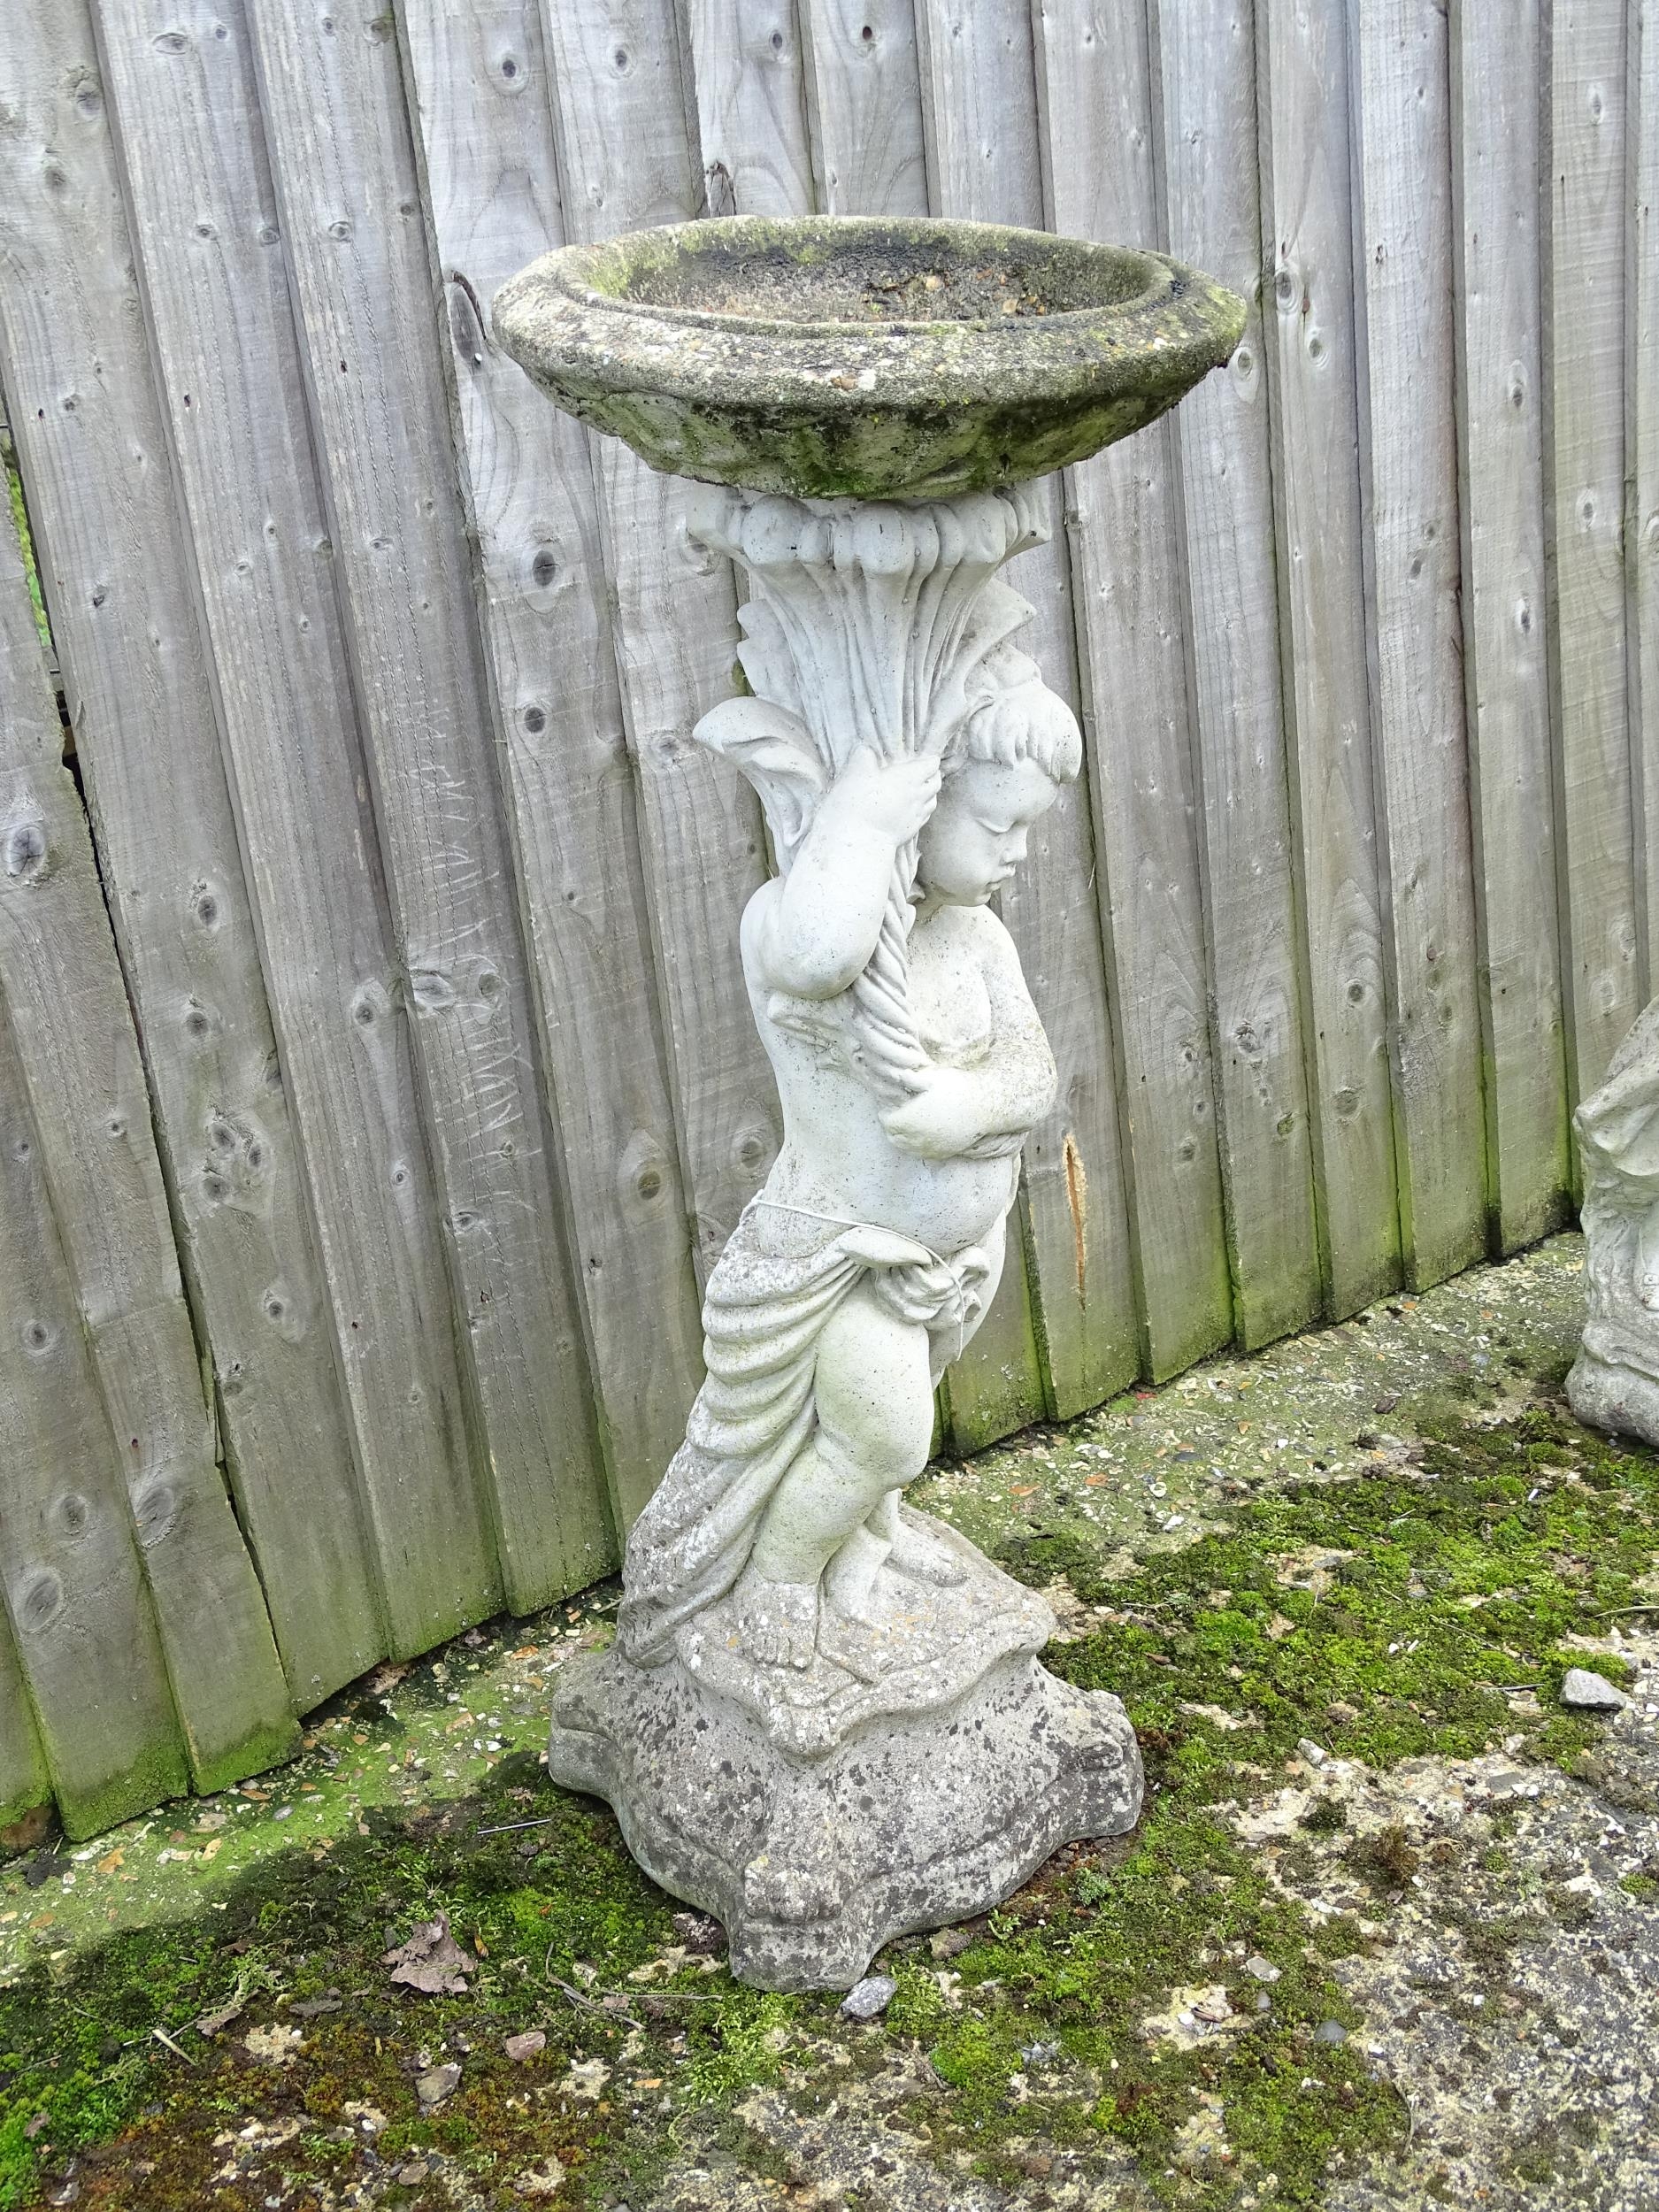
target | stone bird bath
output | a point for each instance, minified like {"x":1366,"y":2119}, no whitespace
{"x":824,"y":1719}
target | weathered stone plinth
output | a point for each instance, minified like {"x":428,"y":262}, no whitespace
{"x":1613,"y":1383}
{"x":817,"y":1814}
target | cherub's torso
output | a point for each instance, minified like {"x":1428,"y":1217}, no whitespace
{"x":837,"y":1158}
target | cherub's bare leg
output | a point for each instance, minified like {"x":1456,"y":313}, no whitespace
{"x":913,"y":1551}
{"x":874,"y":1397}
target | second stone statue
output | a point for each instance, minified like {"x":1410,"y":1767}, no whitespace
{"x":824,"y":1719}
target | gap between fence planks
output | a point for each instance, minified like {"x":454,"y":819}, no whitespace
{"x":357,"y":252}
{"x":107,"y":534}
{"x":99,"y":1197}
{"x":482,"y":102}
{"x":980,"y":126}
{"x":211,"y":272}
{"x":1402,"y":177}
{"x":1499,"y":397}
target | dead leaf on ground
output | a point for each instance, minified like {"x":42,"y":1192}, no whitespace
{"x":431,"y":1961}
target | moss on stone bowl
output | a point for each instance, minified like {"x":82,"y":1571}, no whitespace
{"x":839,"y":356}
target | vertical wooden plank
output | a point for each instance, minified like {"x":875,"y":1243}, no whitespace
{"x":863,"y":101}
{"x":1302,"y":94}
{"x":72,"y":1030}
{"x":750,"y":106}
{"x":1094,"y":79}
{"x":94,"y":453}
{"x":1496,"y":195}
{"x":980,"y":120}
{"x":210,"y":261}
{"x":344,"y":172}
{"x":1641,"y":417}
{"x":1204,"y":88}
{"x":73,"y":1589}
{"x":618,"y":78}
{"x":480,"y":98}
{"x":1402,"y":234}
{"x":1583,"y":271}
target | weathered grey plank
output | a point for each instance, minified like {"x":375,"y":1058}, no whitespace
{"x":1302,"y":102}
{"x":746,"y":71}
{"x":212,"y":274}
{"x":480,"y":99}
{"x":1495,"y":71}
{"x":1097,"y":146}
{"x":1641,"y":418}
{"x":863,"y":103}
{"x":1583,"y":183}
{"x":72,"y":1032}
{"x":979,"y":115}
{"x":344,"y":170}
{"x":1204,"y":88}
{"x":74,"y":1591}
{"x":1402,"y":232}
{"x":94,"y":452}
{"x":619,"y":76}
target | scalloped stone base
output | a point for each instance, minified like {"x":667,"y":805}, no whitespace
{"x":1607,"y":1392}
{"x":812,"y":1863}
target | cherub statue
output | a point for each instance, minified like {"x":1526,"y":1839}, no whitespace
{"x":910,"y":1062}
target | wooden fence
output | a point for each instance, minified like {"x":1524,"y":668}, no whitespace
{"x":376,"y":1085}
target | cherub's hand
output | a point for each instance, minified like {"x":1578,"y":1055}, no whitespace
{"x":894,"y":796}
{"x":942,"y":1120}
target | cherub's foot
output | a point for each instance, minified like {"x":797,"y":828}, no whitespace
{"x":849,"y":1640}
{"x":916,"y":1552}
{"x":777,"y":1621}
{"x":849,"y":1579}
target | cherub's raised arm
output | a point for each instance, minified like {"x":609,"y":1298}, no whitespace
{"x":813,"y":932}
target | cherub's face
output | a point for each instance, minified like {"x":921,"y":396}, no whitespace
{"x":976,"y":836}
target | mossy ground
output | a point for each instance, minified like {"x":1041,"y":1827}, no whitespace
{"x":1390,"y":1583}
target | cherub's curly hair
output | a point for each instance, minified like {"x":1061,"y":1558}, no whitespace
{"x":1015,"y":717}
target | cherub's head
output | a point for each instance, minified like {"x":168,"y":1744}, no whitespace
{"x":1003,"y":769}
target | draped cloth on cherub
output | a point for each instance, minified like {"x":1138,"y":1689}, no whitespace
{"x":780,"y":1278}
{"x":1619,"y":1125}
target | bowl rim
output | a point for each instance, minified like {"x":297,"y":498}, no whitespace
{"x":567,"y":264}
{"x":579,"y":342}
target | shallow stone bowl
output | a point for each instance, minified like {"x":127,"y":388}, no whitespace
{"x":832,"y":356}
